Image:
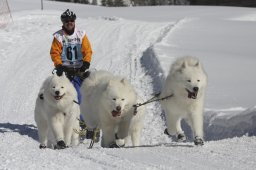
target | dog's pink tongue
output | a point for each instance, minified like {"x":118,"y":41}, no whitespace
{"x":115,"y":113}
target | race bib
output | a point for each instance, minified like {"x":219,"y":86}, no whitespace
{"x":71,"y":54}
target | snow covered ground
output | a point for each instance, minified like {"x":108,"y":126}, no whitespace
{"x":139,"y":43}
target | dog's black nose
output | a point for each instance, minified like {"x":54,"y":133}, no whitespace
{"x":195,"y":89}
{"x":118,"y":108}
{"x":57,"y":92}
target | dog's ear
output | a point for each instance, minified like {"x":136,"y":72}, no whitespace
{"x":184,"y":65}
{"x":198,"y":64}
{"x":109,"y":84}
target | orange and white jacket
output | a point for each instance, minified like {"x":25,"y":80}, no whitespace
{"x":70,"y":50}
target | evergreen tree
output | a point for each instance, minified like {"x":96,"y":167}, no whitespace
{"x":153,"y":2}
{"x":86,"y":2}
{"x":109,"y":3}
{"x":104,"y":2}
{"x":119,"y":3}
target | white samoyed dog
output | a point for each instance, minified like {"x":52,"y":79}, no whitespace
{"x":56,"y":113}
{"x":186,"y":82}
{"x":108,"y":105}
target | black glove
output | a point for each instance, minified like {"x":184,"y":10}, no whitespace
{"x":85,"y":66}
{"x":59,"y":70}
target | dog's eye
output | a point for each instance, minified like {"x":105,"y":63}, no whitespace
{"x":188,"y":80}
{"x":114,"y":99}
{"x":122,"y":99}
{"x":62,"y":87}
{"x":198,"y":80}
{"x":53,"y":87}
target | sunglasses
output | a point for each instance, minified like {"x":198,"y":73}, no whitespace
{"x":67,"y":21}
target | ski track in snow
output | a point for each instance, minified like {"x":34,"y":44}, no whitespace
{"x":140,"y":61}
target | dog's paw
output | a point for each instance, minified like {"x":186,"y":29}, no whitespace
{"x":42,"y":146}
{"x":166,"y":132}
{"x":119,"y":142}
{"x":115,"y":145}
{"x":181,"y":137}
{"x":198,"y":141}
{"x":60,"y":145}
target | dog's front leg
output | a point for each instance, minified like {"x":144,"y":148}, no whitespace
{"x":123,"y":128}
{"x":74,"y":135}
{"x":68,"y":135}
{"x":123,"y":132}
{"x":197,"y":126}
{"x":135,"y":135}
{"x":42,"y":133}
{"x":56,"y":122}
{"x":108,"y":135}
{"x":68,"y":129}
{"x":42,"y":126}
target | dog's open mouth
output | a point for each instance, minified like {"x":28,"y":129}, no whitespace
{"x":57,"y":97}
{"x":192,"y":95}
{"x":116,"y":113}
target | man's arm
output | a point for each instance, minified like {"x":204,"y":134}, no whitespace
{"x":86,"y":49}
{"x":55,"y":52}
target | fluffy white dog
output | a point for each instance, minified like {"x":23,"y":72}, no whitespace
{"x":56,"y":113}
{"x":108,"y":104}
{"x":187,"y":82}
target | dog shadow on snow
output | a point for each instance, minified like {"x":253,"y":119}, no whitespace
{"x":29,"y":130}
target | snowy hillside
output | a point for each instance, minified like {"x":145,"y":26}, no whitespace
{"x":139,"y":43}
